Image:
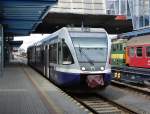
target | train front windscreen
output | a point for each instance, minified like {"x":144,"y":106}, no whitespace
{"x":91,"y":49}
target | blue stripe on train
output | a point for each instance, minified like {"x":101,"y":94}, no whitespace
{"x":67,"y":79}
{"x":107,"y":78}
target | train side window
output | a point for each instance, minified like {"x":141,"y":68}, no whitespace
{"x":50,"y":53}
{"x":148,"y":51}
{"x":53,"y":53}
{"x":59,"y":53}
{"x":131,"y":51}
{"x":114,"y":47}
{"x":66,"y":54}
{"x":139,"y":51}
{"x":121,"y":47}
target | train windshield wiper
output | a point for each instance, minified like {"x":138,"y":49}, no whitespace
{"x":83,"y":52}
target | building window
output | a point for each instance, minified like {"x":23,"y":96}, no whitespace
{"x":139,"y":51}
{"x":148,"y":51}
{"x":131,"y":51}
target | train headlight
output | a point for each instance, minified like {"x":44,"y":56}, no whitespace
{"x":116,"y":75}
{"x":119,"y":75}
{"x":102,"y":68}
{"x":83,"y":68}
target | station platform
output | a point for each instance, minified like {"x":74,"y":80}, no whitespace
{"x":24,"y":91}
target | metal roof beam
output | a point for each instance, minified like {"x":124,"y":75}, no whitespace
{"x":22,"y":15}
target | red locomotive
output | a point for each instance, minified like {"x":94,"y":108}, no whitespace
{"x":138,"y":52}
{"x":131,"y":59}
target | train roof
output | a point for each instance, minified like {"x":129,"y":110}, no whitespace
{"x":86,"y":29}
{"x":70,"y":29}
{"x":116,"y":41}
{"x":140,"y":40}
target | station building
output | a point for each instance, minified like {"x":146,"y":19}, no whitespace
{"x":19,"y":18}
{"x":80,"y":7}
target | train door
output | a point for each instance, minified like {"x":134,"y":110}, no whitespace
{"x":147,"y":56}
{"x":53,"y":61}
{"x":139,"y":57}
{"x":131,"y":58}
{"x":46,"y":59}
{"x":42,"y":59}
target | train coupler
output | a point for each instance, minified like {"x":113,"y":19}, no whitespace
{"x":94,"y":81}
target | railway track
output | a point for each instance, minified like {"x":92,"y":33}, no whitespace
{"x":140,"y":90}
{"x":100,"y":105}
{"x":131,"y":74}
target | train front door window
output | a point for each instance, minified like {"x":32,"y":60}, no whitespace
{"x":66,"y":55}
{"x":52,"y":59}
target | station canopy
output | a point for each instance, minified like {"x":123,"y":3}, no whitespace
{"x":112,"y":23}
{"x":15,"y":43}
{"x":21,"y":17}
{"x":134,"y":33}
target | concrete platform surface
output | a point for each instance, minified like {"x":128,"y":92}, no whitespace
{"x":24,"y":91}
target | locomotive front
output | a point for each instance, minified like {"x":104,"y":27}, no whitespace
{"x":92,"y":51}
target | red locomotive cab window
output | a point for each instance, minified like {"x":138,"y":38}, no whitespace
{"x":148,"y":51}
{"x":139,"y":51}
{"x":131,"y":51}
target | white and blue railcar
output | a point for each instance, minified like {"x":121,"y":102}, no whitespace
{"x":74,"y":57}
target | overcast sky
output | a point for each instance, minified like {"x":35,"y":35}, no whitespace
{"x":29,"y":40}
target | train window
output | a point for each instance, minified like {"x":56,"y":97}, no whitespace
{"x":139,"y":51}
{"x":59,"y":53}
{"x":67,"y":57}
{"x":118,"y":46}
{"x":148,"y":51}
{"x":131,"y":51}
{"x":53,"y":53}
{"x":50,"y":53}
{"x":42,"y":57}
{"x":114,"y":47}
{"x":121,"y":47}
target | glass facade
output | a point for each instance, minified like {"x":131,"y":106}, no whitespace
{"x":118,"y":7}
{"x":1,"y":50}
{"x":140,"y":13}
{"x":137,"y":10}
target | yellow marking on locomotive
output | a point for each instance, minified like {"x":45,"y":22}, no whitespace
{"x":117,"y":56}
